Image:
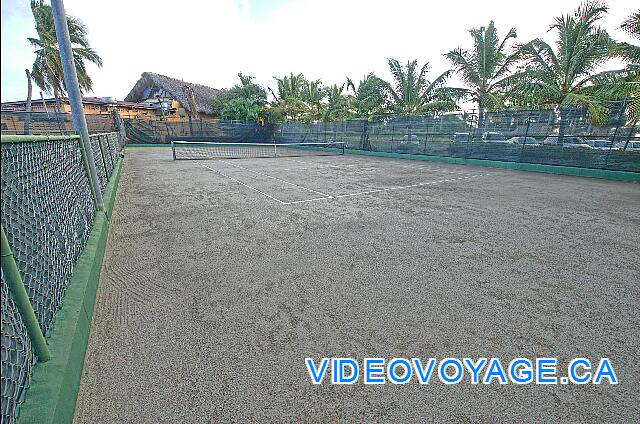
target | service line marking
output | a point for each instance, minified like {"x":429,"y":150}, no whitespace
{"x":280,"y":180}
{"x":242,"y":184}
{"x":326,"y":196}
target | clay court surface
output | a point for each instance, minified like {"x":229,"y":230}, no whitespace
{"x":221,"y":276}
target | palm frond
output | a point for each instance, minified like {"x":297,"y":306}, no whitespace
{"x":485,"y":66}
{"x":463,"y":65}
{"x":540,"y":55}
{"x":632,"y":25}
{"x":47,"y":68}
{"x":628,"y":52}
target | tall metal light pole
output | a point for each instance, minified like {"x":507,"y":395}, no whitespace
{"x":73,"y":91}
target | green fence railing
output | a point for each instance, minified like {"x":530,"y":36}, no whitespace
{"x":47,"y":212}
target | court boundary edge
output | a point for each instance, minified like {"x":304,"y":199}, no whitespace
{"x":607,"y":174}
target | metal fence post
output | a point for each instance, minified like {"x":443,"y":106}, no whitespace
{"x":105,"y":138}
{"x":615,"y":133}
{"x":393,"y":130}
{"x":631,"y":132}
{"x":21,"y":300}
{"x":470,"y":139}
{"x":104,"y":163}
{"x":526,"y":134}
{"x":85,"y":164}
{"x":363,"y":135}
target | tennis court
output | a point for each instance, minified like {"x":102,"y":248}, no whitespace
{"x":221,"y":276}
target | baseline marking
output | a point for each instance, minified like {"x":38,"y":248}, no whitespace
{"x":241,"y":183}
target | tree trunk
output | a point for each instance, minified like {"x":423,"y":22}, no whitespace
{"x":480,"y":128}
{"x":46,"y":109}
{"x":62,"y":126}
{"x":27,"y":117}
{"x":364,"y":136}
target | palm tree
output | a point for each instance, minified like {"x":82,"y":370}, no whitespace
{"x":412,"y":93}
{"x":339,"y":104}
{"x":312,"y":95}
{"x":289,"y":100}
{"x":290,"y":86}
{"x":370,"y":96}
{"x":566,"y":77}
{"x":629,"y":84}
{"x":485,"y":68}
{"x":47,"y":68}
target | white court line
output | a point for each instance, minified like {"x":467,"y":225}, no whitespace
{"x":241,"y":183}
{"x":371,"y":166}
{"x":316,"y":167}
{"x":327,"y":197}
{"x":381,"y":190}
{"x":320,"y":158}
{"x":280,"y":180}
{"x":310,"y":200}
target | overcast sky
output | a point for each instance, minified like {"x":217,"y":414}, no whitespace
{"x":209,"y":42}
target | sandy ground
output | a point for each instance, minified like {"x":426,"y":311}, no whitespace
{"x":220,"y":278}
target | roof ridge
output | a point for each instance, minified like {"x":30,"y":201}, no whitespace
{"x":203,"y":94}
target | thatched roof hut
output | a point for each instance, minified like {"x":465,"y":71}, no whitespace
{"x":150,"y":83}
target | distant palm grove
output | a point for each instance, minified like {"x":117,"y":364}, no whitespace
{"x":498,"y":72}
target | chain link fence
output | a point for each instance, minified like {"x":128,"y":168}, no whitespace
{"x":548,"y":136}
{"x":552,"y":136}
{"x":17,"y":358}
{"x":47,"y":214}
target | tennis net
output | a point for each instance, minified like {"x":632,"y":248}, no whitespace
{"x":212,"y":150}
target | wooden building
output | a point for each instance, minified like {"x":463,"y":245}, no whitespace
{"x":47,"y":117}
{"x":172,"y":98}
{"x":92,"y":106}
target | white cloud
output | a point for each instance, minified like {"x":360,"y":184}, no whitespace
{"x":210,"y":42}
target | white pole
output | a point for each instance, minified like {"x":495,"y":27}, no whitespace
{"x":73,"y":91}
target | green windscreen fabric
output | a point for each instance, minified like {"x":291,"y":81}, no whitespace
{"x":164,"y":131}
{"x":551,"y":136}
{"x":548,"y":137}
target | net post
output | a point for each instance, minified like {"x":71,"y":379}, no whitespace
{"x":21,"y":300}
{"x":173,"y":150}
